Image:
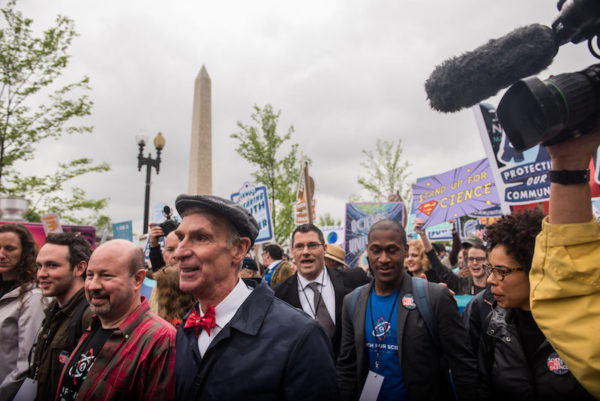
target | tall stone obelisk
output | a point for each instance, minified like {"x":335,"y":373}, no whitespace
{"x":200,"y":177}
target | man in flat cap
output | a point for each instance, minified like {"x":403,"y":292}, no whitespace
{"x":239,"y":341}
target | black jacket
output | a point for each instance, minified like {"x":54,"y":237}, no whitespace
{"x":419,"y":357}
{"x":268,"y":351}
{"x":475,"y":314}
{"x":55,"y":342}
{"x":441,"y":274}
{"x":505,"y":372}
{"x":344,"y":281}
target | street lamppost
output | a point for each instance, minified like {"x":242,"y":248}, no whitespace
{"x":149,"y":162}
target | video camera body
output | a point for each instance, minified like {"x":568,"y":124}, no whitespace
{"x":532,"y":111}
{"x":169,"y":224}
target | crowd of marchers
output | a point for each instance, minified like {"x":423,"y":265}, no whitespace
{"x":223,"y":323}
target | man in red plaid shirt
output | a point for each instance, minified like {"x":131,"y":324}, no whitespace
{"x":128,"y":352}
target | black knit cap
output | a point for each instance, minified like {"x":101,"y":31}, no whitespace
{"x":239,"y":217}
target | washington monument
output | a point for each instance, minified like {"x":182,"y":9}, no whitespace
{"x":200,"y":181}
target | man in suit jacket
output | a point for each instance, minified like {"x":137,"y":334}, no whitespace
{"x":308,"y":250}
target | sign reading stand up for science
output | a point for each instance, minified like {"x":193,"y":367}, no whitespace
{"x":255,"y":200}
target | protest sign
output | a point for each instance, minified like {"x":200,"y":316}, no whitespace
{"x":359,"y":219}
{"x":439,"y":232}
{"x":596,"y":208}
{"x":123,"y":230}
{"x":255,"y":200}
{"x":333,"y":234}
{"x":522,"y":177}
{"x":51,"y":224}
{"x":304,"y":197}
{"x":455,"y":193}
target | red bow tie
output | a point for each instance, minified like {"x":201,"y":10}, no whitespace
{"x":207,"y":321}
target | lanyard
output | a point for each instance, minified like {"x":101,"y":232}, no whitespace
{"x":314,"y":312}
{"x":377,"y":342}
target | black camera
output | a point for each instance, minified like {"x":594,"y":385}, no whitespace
{"x":169,"y":224}
{"x":533,"y":111}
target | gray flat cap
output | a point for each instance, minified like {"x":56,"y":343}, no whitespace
{"x":473,"y":240}
{"x":241,"y":219}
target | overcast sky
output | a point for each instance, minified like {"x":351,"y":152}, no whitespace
{"x":343,"y":73}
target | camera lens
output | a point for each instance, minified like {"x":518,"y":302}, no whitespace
{"x":534,"y":111}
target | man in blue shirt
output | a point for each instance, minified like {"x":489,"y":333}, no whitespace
{"x":387,"y":350}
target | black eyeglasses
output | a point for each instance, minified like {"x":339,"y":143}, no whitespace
{"x":478,"y":259}
{"x":311,"y":246}
{"x":500,"y":272}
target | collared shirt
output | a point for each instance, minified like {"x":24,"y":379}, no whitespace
{"x":224,"y":312}
{"x":270,"y":270}
{"x":306,"y":295}
{"x":137,"y":359}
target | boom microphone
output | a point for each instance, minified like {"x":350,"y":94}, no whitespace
{"x":466,"y":80}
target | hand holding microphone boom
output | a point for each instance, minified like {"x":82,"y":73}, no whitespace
{"x":466,"y":80}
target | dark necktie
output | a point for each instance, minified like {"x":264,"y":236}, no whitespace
{"x":322,"y":315}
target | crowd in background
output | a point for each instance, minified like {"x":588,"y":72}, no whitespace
{"x":226,"y":322}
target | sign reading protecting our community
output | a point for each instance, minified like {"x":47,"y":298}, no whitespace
{"x":359,"y":219}
{"x":522,"y":177}
{"x":255,"y":200}
{"x":455,"y":193}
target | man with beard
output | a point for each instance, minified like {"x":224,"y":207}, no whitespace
{"x":128,"y":352}
{"x":61,"y":265}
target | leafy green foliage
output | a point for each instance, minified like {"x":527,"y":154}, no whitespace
{"x":386,"y":172}
{"x":327,"y":219}
{"x":261,"y":145}
{"x":32,"y":110}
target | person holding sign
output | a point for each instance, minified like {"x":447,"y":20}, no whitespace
{"x":476,"y":258}
{"x":396,"y":329}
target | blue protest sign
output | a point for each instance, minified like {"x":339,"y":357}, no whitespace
{"x":255,"y":200}
{"x":123,"y":230}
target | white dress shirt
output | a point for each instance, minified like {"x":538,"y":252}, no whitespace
{"x":224,"y":312}
{"x":306,"y":295}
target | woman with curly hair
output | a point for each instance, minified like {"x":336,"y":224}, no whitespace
{"x":21,"y":306}
{"x":416,"y":261}
{"x":516,"y":361}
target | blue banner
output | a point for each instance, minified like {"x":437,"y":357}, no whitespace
{"x":123,"y":230}
{"x":359,"y":219}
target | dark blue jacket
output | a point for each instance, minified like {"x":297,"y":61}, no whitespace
{"x":268,"y":351}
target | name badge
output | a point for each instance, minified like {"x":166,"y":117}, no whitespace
{"x":27,"y":390}
{"x":372,"y":387}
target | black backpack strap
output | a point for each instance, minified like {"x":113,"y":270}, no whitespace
{"x":421,"y":295}
{"x":75,"y":326}
{"x":421,"y":292}
{"x":354,"y":297}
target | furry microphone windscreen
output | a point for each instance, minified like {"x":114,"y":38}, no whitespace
{"x":466,"y":80}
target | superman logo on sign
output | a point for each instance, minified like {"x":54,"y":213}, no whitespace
{"x":428,"y":207}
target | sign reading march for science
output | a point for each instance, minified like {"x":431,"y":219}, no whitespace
{"x":455,"y":193}
{"x":254,"y":199}
{"x":359,"y":219}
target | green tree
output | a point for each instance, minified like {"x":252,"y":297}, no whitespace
{"x":327,"y":219}
{"x":386,"y":172}
{"x":262,"y":146}
{"x":32,"y":110}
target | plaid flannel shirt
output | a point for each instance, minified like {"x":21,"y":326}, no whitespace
{"x":137,"y":362}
